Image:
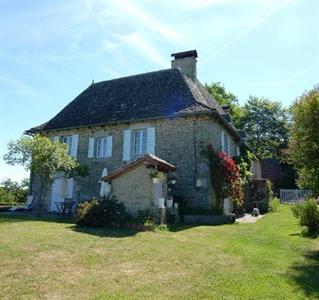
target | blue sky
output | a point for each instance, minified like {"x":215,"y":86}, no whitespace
{"x":51,"y":50}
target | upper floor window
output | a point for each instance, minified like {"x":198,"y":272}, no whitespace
{"x":104,"y":147}
{"x":224,"y":142}
{"x":138,"y":142}
{"x":68,"y":141}
{"x":139,"y":145}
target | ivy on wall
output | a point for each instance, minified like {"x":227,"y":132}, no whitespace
{"x":225,"y":177}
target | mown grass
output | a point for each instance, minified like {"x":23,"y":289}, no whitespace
{"x":44,"y":259}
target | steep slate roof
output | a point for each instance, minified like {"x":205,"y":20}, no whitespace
{"x":156,"y":94}
{"x":148,"y":159}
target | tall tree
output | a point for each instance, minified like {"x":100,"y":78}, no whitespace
{"x":303,"y":147}
{"x":219,"y":93}
{"x":267,"y":126}
{"x":41,"y":157}
{"x":15,"y":190}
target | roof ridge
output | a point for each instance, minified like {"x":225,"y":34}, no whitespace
{"x":134,"y":75}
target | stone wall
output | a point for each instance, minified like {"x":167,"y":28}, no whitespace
{"x":135,"y":189}
{"x":180,"y":141}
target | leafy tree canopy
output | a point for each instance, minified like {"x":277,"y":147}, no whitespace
{"x":219,"y":93}
{"x":42,"y":157}
{"x":303,"y":147}
{"x":267,"y":126}
{"x":265,"y":122}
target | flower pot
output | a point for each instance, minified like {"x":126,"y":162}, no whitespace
{"x":161,"y":202}
{"x":227,"y":206}
{"x":156,"y":180}
{"x":169,"y":203}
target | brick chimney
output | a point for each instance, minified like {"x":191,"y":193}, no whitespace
{"x":186,"y":61}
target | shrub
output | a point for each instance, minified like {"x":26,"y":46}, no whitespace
{"x":273,"y":204}
{"x":147,"y":218}
{"x":144,"y":216}
{"x":105,"y":213}
{"x":308,"y":214}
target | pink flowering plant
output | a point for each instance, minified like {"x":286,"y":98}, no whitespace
{"x":225,"y":177}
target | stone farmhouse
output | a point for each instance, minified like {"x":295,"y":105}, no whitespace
{"x":167,"y":114}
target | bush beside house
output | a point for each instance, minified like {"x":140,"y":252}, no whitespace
{"x":111,"y":213}
{"x":308,"y":214}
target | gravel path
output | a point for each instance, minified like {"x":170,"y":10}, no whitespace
{"x":248,"y":218}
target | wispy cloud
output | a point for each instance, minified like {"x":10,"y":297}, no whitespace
{"x":14,"y":86}
{"x":151,"y":23}
{"x":204,"y":4}
{"x":250,"y":28}
{"x":141,"y":44}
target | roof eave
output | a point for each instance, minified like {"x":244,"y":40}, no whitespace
{"x":31,"y":132}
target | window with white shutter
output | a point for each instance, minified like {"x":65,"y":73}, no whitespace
{"x":237,"y":151}
{"x":127,"y":145}
{"x":68,"y":141}
{"x":139,"y":143}
{"x":227,"y":144}
{"x":104,"y":147}
{"x":56,"y":139}
{"x":74,"y":145}
{"x":91,"y":148}
{"x":222,"y":141}
{"x":151,"y":140}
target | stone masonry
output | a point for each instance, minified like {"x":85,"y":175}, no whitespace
{"x":180,"y":141}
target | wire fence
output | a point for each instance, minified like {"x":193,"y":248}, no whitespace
{"x":293,"y":195}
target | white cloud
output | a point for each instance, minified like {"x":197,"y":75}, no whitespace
{"x":17,"y":87}
{"x":142,"y":45}
{"x":242,"y":34}
{"x":148,"y":21}
{"x":204,"y":4}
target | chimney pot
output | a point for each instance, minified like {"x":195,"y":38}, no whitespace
{"x":186,"y":62}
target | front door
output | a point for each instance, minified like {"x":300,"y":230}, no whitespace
{"x":61,"y":188}
{"x":56,"y":195}
{"x":158,"y":192}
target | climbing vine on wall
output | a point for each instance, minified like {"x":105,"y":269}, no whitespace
{"x":225,"y":177}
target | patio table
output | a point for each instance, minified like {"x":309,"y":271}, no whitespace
{"x":64,"y":207}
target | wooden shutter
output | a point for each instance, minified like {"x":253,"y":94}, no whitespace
{"x":74,"y":145}
{"x":70,"y":184}
{"x":109,"y":145}
{"x":56,"y":139}
{"x":222,"y":141}
{"x":91,"y":148}
{"x":228,"y":144}
{"x":127,"y":145}
{"x":151,"y":140}
{"x":237,"y":151}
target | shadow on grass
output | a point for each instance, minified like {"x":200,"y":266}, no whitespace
{"x":306,"y":274}
{"x":105,"y":232}
{"x":306,"y":235}
{"x":31,"y":216}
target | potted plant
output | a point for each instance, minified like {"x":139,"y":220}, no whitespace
{"x":169,"y":202}
{"x":161,"y":202}
{"x":157,"y":176}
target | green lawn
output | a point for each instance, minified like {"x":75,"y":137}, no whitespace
{"x":55,"y":260}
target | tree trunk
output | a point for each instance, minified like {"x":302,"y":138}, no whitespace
{"x":42,"y":189}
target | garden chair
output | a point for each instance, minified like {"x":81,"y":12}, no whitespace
{"x":25,"y":206}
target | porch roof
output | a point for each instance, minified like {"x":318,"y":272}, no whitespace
{"x":149,"y":160}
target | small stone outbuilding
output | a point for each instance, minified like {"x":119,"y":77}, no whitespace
{"x":133,"y":183}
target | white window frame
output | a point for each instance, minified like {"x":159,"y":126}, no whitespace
{"x":139,"y":143}
{"x":227,"y":145}
{"x":102,"y":147}
{"x":67,"y":140}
